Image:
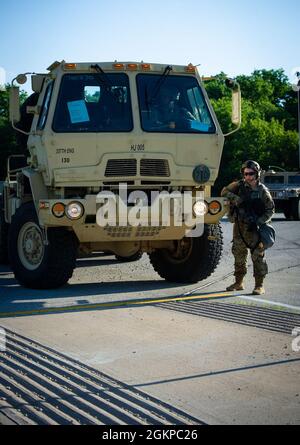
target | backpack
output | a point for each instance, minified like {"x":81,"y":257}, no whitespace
{"x":267,"y":235}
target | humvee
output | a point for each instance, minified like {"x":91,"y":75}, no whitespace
{"x":94,"y":128}
{"x":284,"y":187}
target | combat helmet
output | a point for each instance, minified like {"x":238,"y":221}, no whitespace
{"x":253,"y":165}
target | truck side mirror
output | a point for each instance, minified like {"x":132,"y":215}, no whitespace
{"x":236,"y":116}
{"x":14,"y":104}
{"x":37,"y":81}
{"x":236,"y":113}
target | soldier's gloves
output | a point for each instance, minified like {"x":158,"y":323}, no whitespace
{"x":240,"y":201}
{"x":236,"y":201}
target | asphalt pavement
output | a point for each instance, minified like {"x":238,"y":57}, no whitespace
{"x":190,"y":354}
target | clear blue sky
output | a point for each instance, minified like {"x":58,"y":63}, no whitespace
{"x":222,"y":35}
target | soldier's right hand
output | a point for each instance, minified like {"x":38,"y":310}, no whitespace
{"x":236,"y":201}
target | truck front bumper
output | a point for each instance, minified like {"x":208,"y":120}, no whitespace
{"x":130,"y":223}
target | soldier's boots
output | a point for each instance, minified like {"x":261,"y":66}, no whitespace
{"x":238,"y":284}
{"x":259,"y":286}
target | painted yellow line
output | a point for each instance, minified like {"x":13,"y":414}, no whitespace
{"x":114,"y":304}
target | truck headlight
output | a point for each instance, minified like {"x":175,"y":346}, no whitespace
{"x":200,"y":208}
{"x":74,"y":210}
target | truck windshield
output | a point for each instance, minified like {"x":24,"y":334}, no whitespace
{"x":87,"y":104}
{"x":178,"y":106}
{"x":295,"y":179}
{"x":274,"y":179}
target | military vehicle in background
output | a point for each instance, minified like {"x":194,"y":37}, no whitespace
{"x":285,"y":190}
{"x":89,"y":127}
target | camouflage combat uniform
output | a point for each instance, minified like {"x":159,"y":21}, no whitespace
{"x":249,"y":207}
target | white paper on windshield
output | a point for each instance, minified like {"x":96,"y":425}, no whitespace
{"x":78,"y":111}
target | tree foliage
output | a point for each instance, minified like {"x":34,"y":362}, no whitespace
{"x":8,"y":141}
{"x":268,"y":133}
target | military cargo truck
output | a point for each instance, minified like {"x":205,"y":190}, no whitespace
{"x":95,"y":129}
{"x":285,"y":190}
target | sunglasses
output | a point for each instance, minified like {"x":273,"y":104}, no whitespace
{"x":249,"y":174}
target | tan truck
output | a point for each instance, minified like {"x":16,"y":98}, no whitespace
{"x":126,"y":133}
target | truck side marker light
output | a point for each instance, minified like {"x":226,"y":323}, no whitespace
{"x":132,"y":66}
{"x":70,"y":66}
{"x":190,"y":68}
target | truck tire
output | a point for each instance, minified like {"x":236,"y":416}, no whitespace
{"x":295,"y":209}
{"x":195,"y":258}
{"x":36,"y":265}
{"x":3,"y":237}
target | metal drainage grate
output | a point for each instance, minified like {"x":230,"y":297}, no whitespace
{"x":40,"y":386}
{"x":263,"y":318}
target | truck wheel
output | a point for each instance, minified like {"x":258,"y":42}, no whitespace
{"x":295,"y":206}
{"x":35,"y":264}
{"x":135,"y":257}
{"x":194,"y":258}
{"x":3,"y":238}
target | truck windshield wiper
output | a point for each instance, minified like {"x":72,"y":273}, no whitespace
{"x":103,"y":76}
{"x":159,"y":83}
{"x":104,"y":80}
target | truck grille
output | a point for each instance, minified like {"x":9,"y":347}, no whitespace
{"x":128,"y":167}
{"x":155,"y":167}
{"x":136,"y":232}
{"x":121,"y":167}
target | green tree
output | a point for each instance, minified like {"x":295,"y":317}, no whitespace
{"x":268,"y":132}
{"x":8,"y":142}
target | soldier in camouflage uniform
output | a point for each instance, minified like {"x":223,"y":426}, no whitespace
{"x":251,"y":204}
